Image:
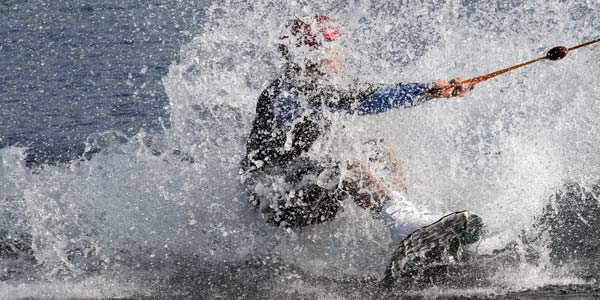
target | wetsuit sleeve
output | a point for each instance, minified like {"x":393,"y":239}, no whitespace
{"x":383,"y":99}
{"x":365,"y":99}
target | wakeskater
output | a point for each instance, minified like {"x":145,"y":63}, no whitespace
{"x":291,"y":188}
{"x":293,"y":185}
{"x":290,"y":185}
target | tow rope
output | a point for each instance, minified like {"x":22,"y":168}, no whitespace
{"x":556,"y":53}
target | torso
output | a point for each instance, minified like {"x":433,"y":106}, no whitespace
{"x":278,"y":138}
{"x":275,"y":142}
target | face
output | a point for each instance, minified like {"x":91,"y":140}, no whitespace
{"x":333,"y":63}
{"x":330,"y":64}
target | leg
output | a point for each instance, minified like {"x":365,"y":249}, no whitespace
{"x":367,"y":190}
{"x":370,"y":191}
{"x":388,"y":199}
{"x":298,"y":195}
{"x":307,"y":206}
{"x":392,"y":163}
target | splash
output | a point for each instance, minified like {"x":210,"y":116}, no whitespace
{"x":145,"y":203}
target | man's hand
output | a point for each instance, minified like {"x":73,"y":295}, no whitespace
{"x":454,"y":88}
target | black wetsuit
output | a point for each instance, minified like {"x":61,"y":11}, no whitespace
{"x":292,"y":189}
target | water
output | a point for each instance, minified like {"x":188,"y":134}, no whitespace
{"x":152,"y":116}
{"x":78,"y":67}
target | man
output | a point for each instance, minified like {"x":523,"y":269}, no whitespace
{"x":293,"y":184}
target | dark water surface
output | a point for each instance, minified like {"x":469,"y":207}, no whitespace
{"x":71,"y":68}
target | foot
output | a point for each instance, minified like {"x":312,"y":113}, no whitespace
{"x":402,"y":217}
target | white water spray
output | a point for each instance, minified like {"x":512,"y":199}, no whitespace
{"x":144,"y":202}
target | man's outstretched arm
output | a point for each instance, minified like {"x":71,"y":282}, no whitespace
{"x":384,"y":98}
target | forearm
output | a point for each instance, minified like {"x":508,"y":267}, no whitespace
{"x":386,"y":98}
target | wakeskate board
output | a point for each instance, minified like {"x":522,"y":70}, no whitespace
{"x":443,"y":242}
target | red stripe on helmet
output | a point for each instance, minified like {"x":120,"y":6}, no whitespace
{"x":330,"y":33}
